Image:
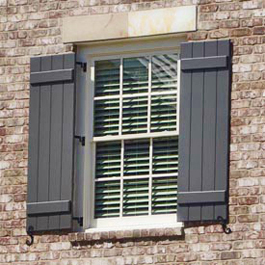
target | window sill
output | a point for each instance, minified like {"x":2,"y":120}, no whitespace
{"x":94,"y":234}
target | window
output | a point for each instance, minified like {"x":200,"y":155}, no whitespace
{"x":128,"y":165}
{"x":134,"y":138}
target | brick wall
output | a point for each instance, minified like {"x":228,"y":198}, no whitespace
{"x":32,"y":27}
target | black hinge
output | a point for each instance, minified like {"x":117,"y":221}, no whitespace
{"x":82,"y":65}
{"x":79,"y":220}
{"x":82,"y":139}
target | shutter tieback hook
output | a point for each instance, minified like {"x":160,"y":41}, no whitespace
{"x":29,"y":232}
{"x":227,"y":230}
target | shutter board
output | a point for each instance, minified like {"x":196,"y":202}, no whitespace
{"x":51,"y":139}
{"x":196,"y":130}
{"x":222,"y":127}
{"x":44,"y":143}
{"x":204,"y":131}
{"x":210,"y":131}
{"x":56,"y":142}
{"x":68,"y":141}
{"x":33,"y":142}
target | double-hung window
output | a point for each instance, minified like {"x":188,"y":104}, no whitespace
{"x":142,"y":160}
{"x":134,"y":143}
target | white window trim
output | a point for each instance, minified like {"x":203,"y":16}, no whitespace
{"x":109,"y":50}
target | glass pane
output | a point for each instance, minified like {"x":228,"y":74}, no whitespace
{"x":164,"y":195}
{"x":108,"y":159}
{"x":135,"y":197}
{"x":134,"y":116}
{"x":107,"y":77}
{"x":164,"y":113}
{"x":106,"y":117}
{"x":135,"y":75}
{"x":164,"y":72}
{"x":107,"y":199}
{"x":136,"y":157}
{"x":165,"y":155}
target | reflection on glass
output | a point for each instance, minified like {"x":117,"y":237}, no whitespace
{"x":135,"y":75}
{"x":164,"y":72}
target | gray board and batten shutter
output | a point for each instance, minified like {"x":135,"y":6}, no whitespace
{"x":51,"y":143}
{"x":204,"y":131}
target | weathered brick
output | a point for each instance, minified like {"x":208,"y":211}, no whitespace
{"x":28,"y":28}
{"x":248,"y":218}
{"x":259,"y":31}
{"x":230,"y":255}
{"x":229,"y":24}
{"x":241,"y":32}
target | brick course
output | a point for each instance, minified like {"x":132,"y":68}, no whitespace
{"x":29,"y":28}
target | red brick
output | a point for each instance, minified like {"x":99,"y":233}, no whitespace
{"x":259,"y":31}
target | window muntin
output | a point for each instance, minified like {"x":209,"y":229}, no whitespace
{"x":136,"y":136}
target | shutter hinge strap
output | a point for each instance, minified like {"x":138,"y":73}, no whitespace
{"x":79,"y":220}
{"x":82,"y":65}
{"x":82,"y":139}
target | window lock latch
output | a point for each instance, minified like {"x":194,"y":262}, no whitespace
{"x":82,"y":139}
{"x":82,"y":65}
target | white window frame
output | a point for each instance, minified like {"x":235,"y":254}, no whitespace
{"x":112,"y":50}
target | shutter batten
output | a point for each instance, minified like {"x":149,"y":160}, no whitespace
{"x":38,"y":208}
{"x":196,"y":197}
{"x":51,"y":76}
{"x":51,"y":139}
{"x":204,"y":131}
{"x":204,"y":63}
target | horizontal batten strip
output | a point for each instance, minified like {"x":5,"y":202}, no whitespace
{"x":49,"y":207}
{"x":51,"y":76}
{"x":204,"y":63}
{"x":193,"y":197}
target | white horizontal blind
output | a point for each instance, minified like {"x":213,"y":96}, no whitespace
{"x":135,"y":75}
{"x":136,"y":157}
{"x":107,"y":83}
{"x":107,"y":77}
{"x":163,"y":113}
{"x":134,"y":119}
{"x":133,"y":96}
{"x":107,"y":198}
{"x":165,"y":162}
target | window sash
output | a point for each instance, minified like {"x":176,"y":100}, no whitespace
{"x":149,"y":96}
{"x":151,"y":175}
{"x":123,"y":137}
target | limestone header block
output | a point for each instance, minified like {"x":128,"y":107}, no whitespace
{"x":126,"y":25}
